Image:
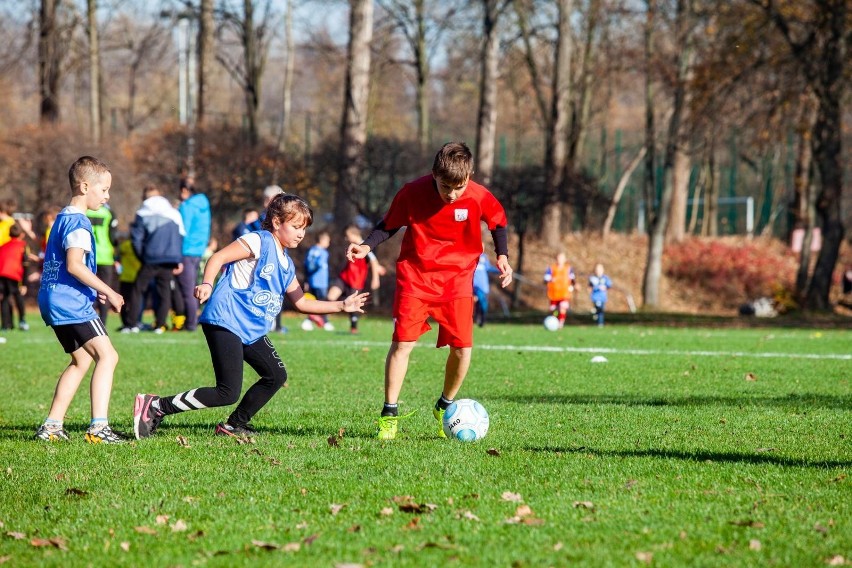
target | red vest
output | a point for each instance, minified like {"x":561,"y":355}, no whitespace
{"x":12,"y":260}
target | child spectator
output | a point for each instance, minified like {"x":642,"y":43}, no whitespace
{"x":245,"y":226}
{"x":14,"y":260}
{"x":130,"y":265}
{"x":104,"y":225}
{"x":560,"y":281}
{"x":599,"y":284}
{"x":69,"y":285}
{"x":481,"y":288}
{"x":353,"y":277}
{"x":442,"y":242}
{"x":316,"y":274}
{"x":242,"y":306}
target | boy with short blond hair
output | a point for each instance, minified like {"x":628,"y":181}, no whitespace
{"x":69,"y":285}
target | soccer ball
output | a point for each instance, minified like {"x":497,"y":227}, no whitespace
{"x":551,"y":323}
{"x":466,"y":420}
{"x":307,"y":325}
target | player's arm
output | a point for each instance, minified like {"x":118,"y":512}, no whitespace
{"x":354,"y":303}
{"x":501,"y":246}
{"x":74,"y":261}
{"x":234,"y":252}
{"x":377,"y":236}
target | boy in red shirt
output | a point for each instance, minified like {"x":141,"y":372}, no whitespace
{"x":353,"y":276}
{"x":14,"y":259}
{"x":434,"y":271}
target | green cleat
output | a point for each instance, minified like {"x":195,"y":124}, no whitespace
{"x":439,"y":416}
{"x":388,"y":425}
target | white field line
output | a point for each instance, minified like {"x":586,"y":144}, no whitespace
{"x":602,"y":350}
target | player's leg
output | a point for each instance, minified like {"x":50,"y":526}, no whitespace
{"x":396,"y":367}
{"x":100,"y":349}
{"x":22,"y":309}
{"x":163,"y":277}
{"x":5,"y":304}
{"x":226,"y":353}
{"x":456,"y":331}
{"x":264,"y":359}
{"x":563,"y":312}
{"x":187,"y":280}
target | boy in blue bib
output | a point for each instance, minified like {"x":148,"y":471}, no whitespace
{"x":240,"y":310}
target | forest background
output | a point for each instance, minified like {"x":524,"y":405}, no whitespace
{"x":686,"y":143}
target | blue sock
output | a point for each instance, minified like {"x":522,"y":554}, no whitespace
{"x":97,"y":423}
{"x":52,"y":424}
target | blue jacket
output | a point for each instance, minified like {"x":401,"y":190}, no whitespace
{"x":157,"y":232}
{"x":195,"y":212}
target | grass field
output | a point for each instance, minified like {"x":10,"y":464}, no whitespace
{"x":666,"y":454}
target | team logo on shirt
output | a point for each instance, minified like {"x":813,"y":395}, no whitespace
{"x":50,"y":272}
{"x":266,"y":271}
{"x":461,"y":214}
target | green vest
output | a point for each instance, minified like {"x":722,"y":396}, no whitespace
{"x":103,"y":224}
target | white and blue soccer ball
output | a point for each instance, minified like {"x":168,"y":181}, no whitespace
{"x":551,"y":323}
{"x":466,"y":420}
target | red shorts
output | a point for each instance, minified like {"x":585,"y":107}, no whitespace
{"x":454,"y":317}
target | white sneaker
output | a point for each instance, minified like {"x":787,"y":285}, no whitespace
{"x":328,"y":326}
{"x":307,"y":325}
{"x":23,"y":326}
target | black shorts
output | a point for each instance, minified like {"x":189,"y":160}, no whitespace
{"x":346,"y":289}
{"x":74,"y":335}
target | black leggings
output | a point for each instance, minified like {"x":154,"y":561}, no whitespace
{"x":228,"y":353}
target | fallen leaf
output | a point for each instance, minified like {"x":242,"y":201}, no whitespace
{"x":303,"y":491}
{"x":310,"y":539}
{"x":630,"y":483}
{"x":754,"y":544}
{"x":54,"y":541}
{"x":439,"y":545}
{"x":558,"y":546}
{"x":402,"y":499}
{"x":750,"y":377}
{"x":196,"y":535}
{"x":341,"y":432}
{"x":273,"y":461}
{"x":820,"y":529}
{"x":190,"y":499}
{"x":145,"y":530}
{"x":354,"y":529}
{"x":493,"y":452}
{"x":397,"y":549}
{"x":292,"y":547}
{"x":335,"y":508}
{"x":60,"y":476}
{"x":266,"y":545}
{"x":303,"y":525}
{"x":333,"y":441}
{"x":748,"y":523}
{"x":410,"y":507}
{"x":386,"y":511}
{"x":74,"y":492}
{"x":524,"y":511}
{"x":241,"y":440}
{"x":645,"y":557}
{"x":348,"y":564}
{"x":5,"y":559}
{"x":162,"y":519}
{"x":840,"y":477}
{"x":16,"y":535}
{"x":179,"y":526}
{"x":470,"y":516}
{"x":125,"y":546}
{"x":413,"y":524}
{"x":836,"y":560}
{"x":584,"y":505}
{"x":511,"y":497}
{"x":182,"y":441}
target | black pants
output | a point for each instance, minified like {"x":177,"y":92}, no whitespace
{"x":162,"y":274}
{"x":228,"y":353}
{"x":10,"y":291}
{"x":106,"y":272}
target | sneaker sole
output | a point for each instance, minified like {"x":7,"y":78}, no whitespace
{"x":138,"y":409}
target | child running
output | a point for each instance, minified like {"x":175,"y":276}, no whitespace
{"x":599,"y":284}
{"x":69,"y":285}
{"x":434,"y":271}
{"x":241,"y":309}
{"x":560,"y":281}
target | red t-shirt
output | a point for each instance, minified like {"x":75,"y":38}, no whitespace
{"x":443,"y":241}
{"x":354,"y":274}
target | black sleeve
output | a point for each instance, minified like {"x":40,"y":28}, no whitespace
{"x":501,"y":241}
{"x":378,"y":235}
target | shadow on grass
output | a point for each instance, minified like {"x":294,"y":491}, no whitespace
{"x":697,"y":456}
{"x":792,"y":400}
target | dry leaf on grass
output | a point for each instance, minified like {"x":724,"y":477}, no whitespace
{"x":558,"y":546}
{"x":308,"y":540}
{"x":125,"y":546}
{"x":335,"y":508}
{"x":5,"y":559}
{"x":386,"y":511}
{"x":413,"y":524}
{"x":748,"y":523}
{"x":584,"y":505}
{"x":754,"y":544}
{"x":179,"y":526}
{"x":750,"y":377}
{"x":493,"y":452}
{"x":74,"y":492}
{"x":182,"y":441}
{"x":162,"y":519}
{"x":54,"y":541}
{"x":836,"y":560}
{"x":511,"y":497}
{"x":645,"y":557}
{"x":145,"y":530}
{"x":16,"y":535}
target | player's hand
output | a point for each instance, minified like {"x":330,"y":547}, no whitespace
{"x":203,"y":292}
{"x":354,"y":252}
{"x":178,"y":270}
{"x":355,"y":302}
{"x":115,"y":300}
{"x":505,"y":271}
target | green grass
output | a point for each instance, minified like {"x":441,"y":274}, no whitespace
{"x":678,"y":456}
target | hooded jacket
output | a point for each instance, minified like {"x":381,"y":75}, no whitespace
{"x":157,"y":232}
{"x":195,"y":212}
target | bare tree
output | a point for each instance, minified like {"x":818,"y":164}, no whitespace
{"x":50,"y":55}
{"x":353,"y":134}
{"x":206,"y":56}
{"x":289,"y":72}
{"x":486,"y":121}
{"x":94,"y":71}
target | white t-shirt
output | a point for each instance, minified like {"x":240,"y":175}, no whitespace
{"x":243,"y":273}
{"x":81,"y":238}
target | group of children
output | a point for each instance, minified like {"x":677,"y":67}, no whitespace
{"x":561,"y":281}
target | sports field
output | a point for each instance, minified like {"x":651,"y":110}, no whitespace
{"x":701,"y":447}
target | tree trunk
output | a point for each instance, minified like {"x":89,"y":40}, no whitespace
{"x":659,"y":222}
{"x":582,"y":103}
{"x":680,"y":195}
{"x":251,"y":56}
{"x":94,"y":72}
{"x":803,"y":192}
{"x":289,"y":71}
{"x":206,"y":57}
{"x":619,"y":191}
{"x":486,"y":122}
{"x":557,"y":136}
{"x":421,"y":62}
{"x":650,"y":179}
{"x":49,"y":61}
{"x":353,"y":136}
